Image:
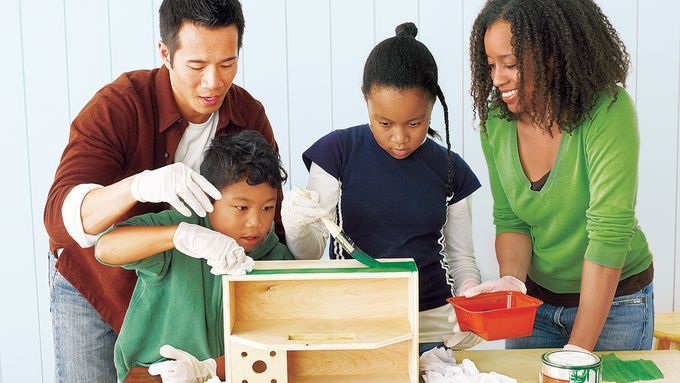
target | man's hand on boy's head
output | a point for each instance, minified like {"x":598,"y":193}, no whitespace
{"x":169,"y":183}
{"x":222,"y":252}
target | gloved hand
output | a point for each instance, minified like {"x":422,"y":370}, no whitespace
{"x":460,"y":340}
{"x":223,"y":254}
{"x":300,"y":207}
{"x":465,"y":286}
{"x":505,"y":283}
{"x":573,"y":347}
{"x":185,"y":368}
{"x":172,"y":182}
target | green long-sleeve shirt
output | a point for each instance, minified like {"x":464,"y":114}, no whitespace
{"x":177,"y":301}
{"x":586,"y":209}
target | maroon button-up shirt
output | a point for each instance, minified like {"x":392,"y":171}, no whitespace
{"x":130,"y":125}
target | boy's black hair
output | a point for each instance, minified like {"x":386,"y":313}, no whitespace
{"x":232,"y":157}
{"x":209,"y":14}
{"x":570,"y":47}
{"x":402,"y":62}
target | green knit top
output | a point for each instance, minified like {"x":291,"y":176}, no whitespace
{"x":586,"y":209}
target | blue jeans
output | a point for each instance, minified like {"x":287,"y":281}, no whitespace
{"x":629,"y":325}
{"x":83,"y":342}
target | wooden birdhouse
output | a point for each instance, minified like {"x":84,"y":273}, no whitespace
{"x":322,"y":321}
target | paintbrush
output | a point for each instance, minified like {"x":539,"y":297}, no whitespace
{"x":348,"y":245}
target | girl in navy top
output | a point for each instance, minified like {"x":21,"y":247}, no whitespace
{"x":395,"y":191}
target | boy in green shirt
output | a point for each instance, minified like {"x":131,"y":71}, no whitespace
{"x":177,"y":301}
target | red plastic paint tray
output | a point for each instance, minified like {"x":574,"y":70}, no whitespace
{"x":499,"y":315}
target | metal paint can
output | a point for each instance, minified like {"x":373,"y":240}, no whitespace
{"x":562,"y":366}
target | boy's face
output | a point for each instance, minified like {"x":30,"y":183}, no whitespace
{"x":245,"y":213}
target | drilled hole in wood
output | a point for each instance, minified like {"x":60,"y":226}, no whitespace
{"x":272,"y":354}
{"x":244,"y":381}
{"x":243,"y":355}
{"x":259,"y":367}
{"x":273,"y":381}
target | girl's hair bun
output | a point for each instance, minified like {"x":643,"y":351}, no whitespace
{"x":406,"y":29}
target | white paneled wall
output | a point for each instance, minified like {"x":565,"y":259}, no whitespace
{"x":303,"y":59}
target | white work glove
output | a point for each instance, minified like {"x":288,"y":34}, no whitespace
{"x":465,"y":286}
{"x":223,"y":254}
{"x":505,"y":283}
{"x":172,"y":182}
{"x":573,"y":347}
{"x":299,"y":208}
{"x":460,"y":340}
{"x":185,"y":368}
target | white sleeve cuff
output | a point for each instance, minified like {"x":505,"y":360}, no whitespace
{"x":70,"y":214}
{"x":460,"y":254}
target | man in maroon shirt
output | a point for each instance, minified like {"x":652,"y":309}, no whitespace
{"x":131,"y":151}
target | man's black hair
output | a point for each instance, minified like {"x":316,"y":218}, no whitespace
{"x":209,"y":14}
{"x":232,"y":157}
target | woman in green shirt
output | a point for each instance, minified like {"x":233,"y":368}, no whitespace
{"x":561,"y":142}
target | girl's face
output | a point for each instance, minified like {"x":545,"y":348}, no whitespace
{"x":503,"y":62}
{"x":399,"y":119}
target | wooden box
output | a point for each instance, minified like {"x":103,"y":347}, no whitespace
{"x":322,"y":321}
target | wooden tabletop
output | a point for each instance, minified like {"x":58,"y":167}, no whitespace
{"x":525,"y":365}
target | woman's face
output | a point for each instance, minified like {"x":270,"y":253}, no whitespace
{"x":399,"y":119}
{"x":503,"y":62}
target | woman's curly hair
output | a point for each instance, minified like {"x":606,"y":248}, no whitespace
{"x":575,"y":52}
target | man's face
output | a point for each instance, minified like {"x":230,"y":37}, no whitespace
{"x":245,"y":213}
{"x":202,"y":69}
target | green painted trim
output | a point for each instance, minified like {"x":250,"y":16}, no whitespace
{"x":385,"y":267}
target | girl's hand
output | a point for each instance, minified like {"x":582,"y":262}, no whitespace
{"x":505,"y":283}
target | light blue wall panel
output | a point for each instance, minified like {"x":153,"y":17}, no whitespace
{"x":88,"y":48}
{"x":481,"y":202}
{"x":622,"y":14}
{"x":482,"y":222}
{"x":309,"y":80}
{"x":132,"y":36}
{"x":265,"y":66}
{"x":676,"y":259}
{"x":440,"y":29}
{"x":19,"y":341}
{"x":155,"y":5}
{"x":351,"y":42}
{"x":657,"y":104}
{"x":390,"y":13}
{"x":47,"y":120}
